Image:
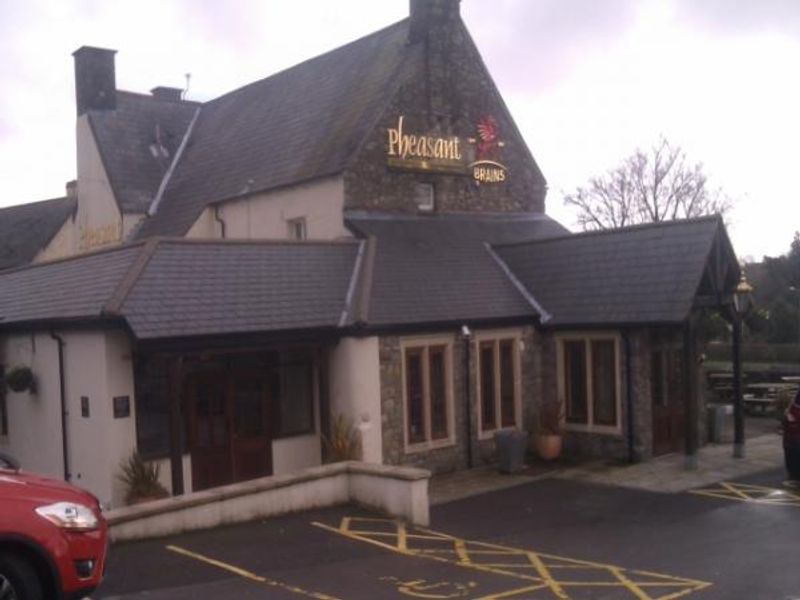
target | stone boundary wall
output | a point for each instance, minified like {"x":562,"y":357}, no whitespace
{"x":398,"y":491}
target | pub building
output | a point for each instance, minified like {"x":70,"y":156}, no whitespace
{"x":362,"y":235}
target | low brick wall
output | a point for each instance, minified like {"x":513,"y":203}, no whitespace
{"x":398,"y":491}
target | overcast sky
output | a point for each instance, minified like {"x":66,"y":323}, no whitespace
{"x":587,"y":81}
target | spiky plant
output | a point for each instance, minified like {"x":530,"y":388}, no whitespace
{"x":141,"y":480}
{"x":344,"y":442}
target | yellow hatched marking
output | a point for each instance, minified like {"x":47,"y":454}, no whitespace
{"x":542,"y":571}
{"x":745,"y":492}
{"x":245,"y":574}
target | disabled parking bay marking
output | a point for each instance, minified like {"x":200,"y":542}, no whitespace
{"x":757,"y":494}
{"x":545,"y":575}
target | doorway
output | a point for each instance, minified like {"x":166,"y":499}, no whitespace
{"x":230,"y":433}
{"x":667,"y":393}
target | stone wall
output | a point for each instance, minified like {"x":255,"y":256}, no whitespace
{"x":445,"y":90}
{"x":456,"y":456}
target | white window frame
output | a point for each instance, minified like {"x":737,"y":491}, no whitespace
{"x":496,"y":337}
{"x":427,"y":342}
{"x":429,"y":205}
{"x":587,"y":338}
{"x":292,"y":225}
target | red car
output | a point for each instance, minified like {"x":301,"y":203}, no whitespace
{"x":791,"y":438}
{"x":53,"y":538}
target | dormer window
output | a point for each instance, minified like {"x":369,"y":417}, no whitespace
{"x":297,"y":229}
{"x":425,"y":197}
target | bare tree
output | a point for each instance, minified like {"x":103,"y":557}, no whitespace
{"x":647,"y":187}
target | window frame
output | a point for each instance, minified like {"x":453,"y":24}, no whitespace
{"x":425,"y":344}
{"x":293,"y":224}
{"x":496,"y":338}
{"x":588,"y":338}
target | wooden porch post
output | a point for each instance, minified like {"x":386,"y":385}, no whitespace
{"x":690,"y":390}
{"x":175,"y":370}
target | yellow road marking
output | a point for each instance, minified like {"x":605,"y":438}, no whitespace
{"x":745,"y":492}
{"x":245,"y":574}
{"x":538,"y":572}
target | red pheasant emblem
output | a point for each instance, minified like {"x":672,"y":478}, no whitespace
{"x":489,"y":133}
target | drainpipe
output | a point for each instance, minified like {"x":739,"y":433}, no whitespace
{"x":629,"y":397}
{"x":466,"y":337}
{"x":64,"y":413}
{"x":219,"y":220}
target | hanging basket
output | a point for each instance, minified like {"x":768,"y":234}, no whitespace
{"x":21,"y":379}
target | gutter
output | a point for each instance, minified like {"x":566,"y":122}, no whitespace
{"x":64,"y":413}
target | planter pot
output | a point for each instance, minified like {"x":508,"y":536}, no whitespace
{"x":548,"y":446}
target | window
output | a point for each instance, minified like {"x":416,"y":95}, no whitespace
{"x":297,"y":399}
{"x":297,"y":229}
{"x":425,"y":197}
{"x":428,"y":398}
{"x":589,"y":382}
{"x":498,"y":384}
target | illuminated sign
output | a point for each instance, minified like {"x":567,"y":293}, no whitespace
{"x":447,"y":154}
{"x":425,"y":152}
{"x":486,"y":169}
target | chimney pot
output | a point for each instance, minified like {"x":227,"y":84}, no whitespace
{"x":167,"y":93}
{"x":95,"y":79}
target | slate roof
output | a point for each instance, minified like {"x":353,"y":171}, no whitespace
{"x":75,"y":288}
{"x":435,"y":269}
{"x":643,"y":274}
{"x":176,"y":288}
{"x":27,"y":228}
{"x":300,"y":124}
{"x":124,"y":138}
{"x":207,"y":288}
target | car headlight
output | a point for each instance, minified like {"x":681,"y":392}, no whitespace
{"x":68,"y":515}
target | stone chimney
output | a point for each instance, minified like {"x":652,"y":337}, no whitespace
{"x":72,"y":188}
{"x":426,"y":14}
{"x":95,"y":79}
{"x":167,"y":93}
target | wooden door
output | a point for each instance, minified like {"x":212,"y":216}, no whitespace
{"x":210,"y":431}
{"x":251,"y":442}
{"x":668,"y":397}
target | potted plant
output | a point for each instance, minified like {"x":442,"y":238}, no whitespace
{"x":549,"y":434}
{"x":21,"y":379}
{"x":344,"y":441}
{"x":141,"y":480}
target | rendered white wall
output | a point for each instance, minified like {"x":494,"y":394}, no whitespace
{"x":266,"y":215}
{"x":34,"y":420}
{"x":97,"y":365}
{"x":63,"y":244}
{"x":296,"y":453}
{"x":99,"y":222}
{"x":355,"y":391}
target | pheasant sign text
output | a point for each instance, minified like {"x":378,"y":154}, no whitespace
{"x":431,"y":153}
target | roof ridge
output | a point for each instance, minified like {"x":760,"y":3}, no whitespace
{"x":28,"y":204}
{"x":125,"y":285}
{"x":544,"y":316}
{"x":307,"y":61}
{"x":615,"y":230}
{"x":146,"y":96}
{"x":255,"y":242}
{"x":71,"y":257}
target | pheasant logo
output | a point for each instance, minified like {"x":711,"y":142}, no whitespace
{"x":486,"y":168}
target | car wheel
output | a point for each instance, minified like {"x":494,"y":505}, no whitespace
{"x":18,"y":580}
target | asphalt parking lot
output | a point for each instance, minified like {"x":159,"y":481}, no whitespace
{"x":548,"y":539}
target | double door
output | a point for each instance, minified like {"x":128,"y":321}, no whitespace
{"x":230,"y":436}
